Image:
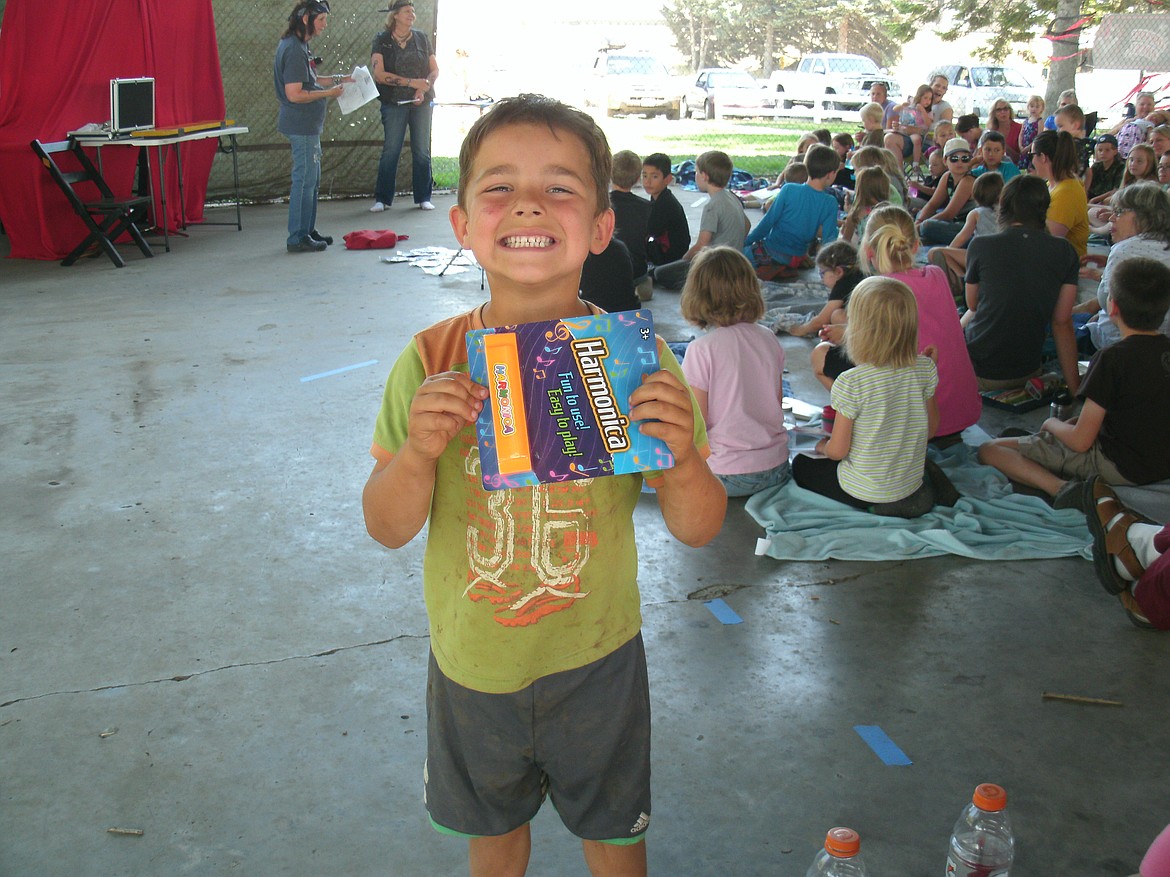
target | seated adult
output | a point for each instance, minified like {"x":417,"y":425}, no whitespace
{"x":1009,"y":309}
{"x":1141,"y":227}
{"x":1054,"y":158}
{"x":1001,"y":118}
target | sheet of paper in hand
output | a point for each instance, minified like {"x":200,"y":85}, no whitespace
{"x":559,"y":399}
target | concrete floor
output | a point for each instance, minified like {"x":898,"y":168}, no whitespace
{"x":199,"y":640}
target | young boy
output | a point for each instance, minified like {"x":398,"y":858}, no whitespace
{"x":1071,"y":118}
{"x":667,"y":234}
{"x":723,"y":223}
{"x":1104,"y":177}
{"x":779,"y":243}
{"x":631,"y":215}
{"x":537,"y":675}
{"x":1122,"y":428}
{"x":993,"y":157}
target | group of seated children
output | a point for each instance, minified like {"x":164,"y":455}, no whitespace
{"x":902,"y":369}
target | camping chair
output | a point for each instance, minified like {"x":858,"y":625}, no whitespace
{"x":107,"y":217}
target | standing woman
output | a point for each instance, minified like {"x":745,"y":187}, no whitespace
{"x":302,"y":117}
{"x":405,"y":71}
{"x":1054,"y":158}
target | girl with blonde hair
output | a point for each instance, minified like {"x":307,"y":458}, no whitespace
{"x":735,"y":371}
{"x":889,"y":247}
{"x":875,"y":458}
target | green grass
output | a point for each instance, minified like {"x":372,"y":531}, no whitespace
{"x":761,"y":147}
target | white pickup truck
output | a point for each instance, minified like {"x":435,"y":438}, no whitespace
{"x":828,"y":82}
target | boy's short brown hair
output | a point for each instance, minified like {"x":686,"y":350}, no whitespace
{"x":987,"y":189}
{"x":821,"y":161}
{"x":1072,"y":113}
{"x":627,"y":167}
{"x":536,"y":109}
{"x":795,"y":172}
{"x":717,"y":166}
{"x":1140,"y":288}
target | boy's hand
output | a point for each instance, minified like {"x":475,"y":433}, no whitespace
{"x":663,"y":405}
{"x":442,"y":406}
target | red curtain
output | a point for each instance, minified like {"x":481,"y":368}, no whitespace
{"x":56,"y":62}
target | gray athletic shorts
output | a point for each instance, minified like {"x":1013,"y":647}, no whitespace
{"x":581,"y":736}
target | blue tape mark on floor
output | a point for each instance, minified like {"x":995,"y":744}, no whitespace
{"x":885,"y":748}
{"x":338,"y":371}
{"x":723,"y":612}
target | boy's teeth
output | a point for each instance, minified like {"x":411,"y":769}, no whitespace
{"x":528,"y":241}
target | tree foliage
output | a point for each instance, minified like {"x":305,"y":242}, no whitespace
{"x":774,"y":33}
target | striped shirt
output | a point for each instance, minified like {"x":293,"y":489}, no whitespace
{"x":890,"y":425}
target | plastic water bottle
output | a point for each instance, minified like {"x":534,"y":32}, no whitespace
{"x":982,"y":843}
{"x":841,"y":856}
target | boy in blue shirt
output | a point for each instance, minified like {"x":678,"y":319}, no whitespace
{"x":799,"y":215}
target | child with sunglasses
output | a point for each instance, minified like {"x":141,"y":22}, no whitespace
{"x":942,"y":217}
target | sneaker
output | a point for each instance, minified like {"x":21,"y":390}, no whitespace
{"x":321,"y":238}
{"x":426,"y":205}
{"x":1071,"y":496}
{"x":306,"y":245}
{"x":378,"y":207}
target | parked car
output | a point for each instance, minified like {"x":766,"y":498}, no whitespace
{"x":829,"y":82}
{"x":716,"y":93}
{"x":626,"y":82}
{"x":974,"y":88}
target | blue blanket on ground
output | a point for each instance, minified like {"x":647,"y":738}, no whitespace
{"x":988,"y":523}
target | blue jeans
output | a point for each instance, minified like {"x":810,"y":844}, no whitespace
{"x":939,"y":232}
{"x":306,"y":182}
{"x":753,"y":482}
{"x":395,"y":120}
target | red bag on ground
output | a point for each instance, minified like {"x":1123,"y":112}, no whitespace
{"x":372,"y":240}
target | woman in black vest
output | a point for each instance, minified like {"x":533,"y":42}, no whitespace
{"x":405,"y":70}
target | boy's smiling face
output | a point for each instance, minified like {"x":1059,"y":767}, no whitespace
{"x":531,"y":216}
{"x":653,"y":180}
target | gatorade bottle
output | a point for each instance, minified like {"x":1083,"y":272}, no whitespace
{"x":841,"y":856}
{"x":982,"y":844}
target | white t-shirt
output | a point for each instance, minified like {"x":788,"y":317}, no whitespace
{"x":739,"y":368}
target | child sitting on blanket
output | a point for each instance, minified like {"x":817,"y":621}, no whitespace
{"x":1121,"y":432}
{"x":734,"y":371}
{"x":889,"y":247}
{"x":875,"y":458}
{"x":837,"y":265}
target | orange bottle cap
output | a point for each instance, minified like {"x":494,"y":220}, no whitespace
{"x":989,"y":797}
{"x":842,"y":842}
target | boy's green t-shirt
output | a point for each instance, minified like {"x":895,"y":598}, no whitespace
{"x":524,"y":582}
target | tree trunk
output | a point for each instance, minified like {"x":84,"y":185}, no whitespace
{"x":1062,"y":74}
{"x":769,"y":58}
{"x":843,"y":35}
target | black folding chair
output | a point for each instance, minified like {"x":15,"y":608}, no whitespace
{"x":107,"y":217}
